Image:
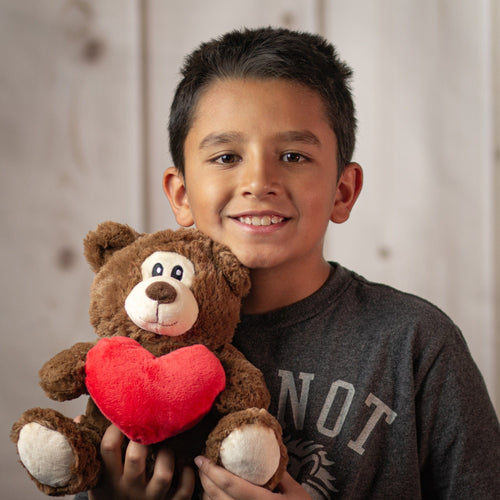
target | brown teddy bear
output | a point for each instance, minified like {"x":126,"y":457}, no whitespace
{"x":167,"y":305}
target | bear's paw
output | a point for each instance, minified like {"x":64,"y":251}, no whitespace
{"x":252,"y":452}
{"x":46,"y":454}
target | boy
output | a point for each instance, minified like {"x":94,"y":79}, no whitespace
{"x":375,"y":389}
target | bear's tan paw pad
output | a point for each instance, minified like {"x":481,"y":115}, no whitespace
{"x":251,"y":452}
{"x":46,"y":454}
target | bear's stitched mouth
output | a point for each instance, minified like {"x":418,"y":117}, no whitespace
{"x":157,"y":327}
{"x":168,"y":325}
{"x":158,"y":322}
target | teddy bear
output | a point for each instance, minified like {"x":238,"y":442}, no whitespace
{"x":164,"y":306}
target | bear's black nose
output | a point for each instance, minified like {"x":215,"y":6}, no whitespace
{"x":162,"y":292}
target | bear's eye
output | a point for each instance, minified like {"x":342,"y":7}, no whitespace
{"x":157,"y":269}
{"x":177,"y":272}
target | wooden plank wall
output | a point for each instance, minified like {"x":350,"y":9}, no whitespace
{"x":85,"y":88}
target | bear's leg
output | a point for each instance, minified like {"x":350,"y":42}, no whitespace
{"x":248,"y":443}
{"x":59,"y":454}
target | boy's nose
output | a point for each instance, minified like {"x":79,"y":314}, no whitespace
{"x":260,"y":178}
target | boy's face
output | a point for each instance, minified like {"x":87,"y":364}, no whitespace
{"x":260,"y":172}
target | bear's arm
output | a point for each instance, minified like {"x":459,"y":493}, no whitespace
{"x":245,"y":385}
{"x":63,"y":377}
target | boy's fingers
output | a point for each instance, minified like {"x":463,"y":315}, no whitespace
{"x":214,"y":485}
{"x":220,"y":484}
{"x":185,"y":488}
{"x":291,"y":488}
{"x":111,"y":452}
{"x":134,"y":467}
{"x":287,"y":483}
{"x":163,"y":473}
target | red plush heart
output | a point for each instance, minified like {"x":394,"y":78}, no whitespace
{"x":148,"y":398}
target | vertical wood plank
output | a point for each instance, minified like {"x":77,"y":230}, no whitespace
{"x":69,"y":118}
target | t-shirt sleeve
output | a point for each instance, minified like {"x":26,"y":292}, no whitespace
{"x":459,"y":435}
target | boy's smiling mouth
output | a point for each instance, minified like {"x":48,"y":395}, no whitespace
{"x":264,"y":220}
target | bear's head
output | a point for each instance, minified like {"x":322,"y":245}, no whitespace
{"x":166,"y":290}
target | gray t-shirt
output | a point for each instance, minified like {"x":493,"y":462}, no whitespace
{"x":377,"y":394}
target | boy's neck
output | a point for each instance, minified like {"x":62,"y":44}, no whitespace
{"x":275,"y":289}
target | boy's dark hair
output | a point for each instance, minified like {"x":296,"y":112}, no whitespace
{"x":263,"y":53}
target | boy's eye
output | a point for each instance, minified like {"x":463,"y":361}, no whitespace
{"x":227,"y":158}
{"x":293,"y":157}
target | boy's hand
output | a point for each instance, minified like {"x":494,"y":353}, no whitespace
{"x":219,"y":484}
{"x":127,"y":480}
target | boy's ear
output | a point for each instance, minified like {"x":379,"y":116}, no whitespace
{"x":348,"y":188}
{"x":175,"y":189}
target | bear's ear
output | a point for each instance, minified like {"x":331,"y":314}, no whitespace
{"x":108,"y":237}
{"x":235,"y":273}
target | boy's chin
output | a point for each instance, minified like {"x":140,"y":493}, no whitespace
{"x":257,"y":261}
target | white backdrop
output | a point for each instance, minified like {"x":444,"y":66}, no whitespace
{"x":85,"y":88}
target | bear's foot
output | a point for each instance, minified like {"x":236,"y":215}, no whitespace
{"x":249,"y":444}
{"x":251,"y":452}
{"x":59,"y":455}
{"x":46,"y":454}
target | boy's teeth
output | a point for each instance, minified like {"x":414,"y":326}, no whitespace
{"x":266,"y":220}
